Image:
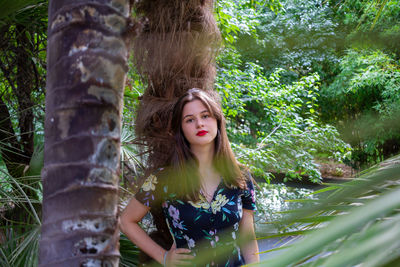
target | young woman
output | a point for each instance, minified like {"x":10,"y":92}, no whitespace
{"x":206,"y":199}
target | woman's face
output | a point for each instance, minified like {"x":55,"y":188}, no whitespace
{"x":198,"y":126}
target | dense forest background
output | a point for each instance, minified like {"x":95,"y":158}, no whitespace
{"x":310,"y":79}
{"x":302,"y":83}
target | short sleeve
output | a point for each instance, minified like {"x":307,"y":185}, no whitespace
{"x":249,"y":196}
{"x":148,"y":193}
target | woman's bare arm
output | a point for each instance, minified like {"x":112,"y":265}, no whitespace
{"x":130,"y":217}
{"x":246,"y":231}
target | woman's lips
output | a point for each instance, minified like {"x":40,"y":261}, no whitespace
{"x":201,"y":133}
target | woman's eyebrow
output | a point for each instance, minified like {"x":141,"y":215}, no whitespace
{"x":189,"y":115}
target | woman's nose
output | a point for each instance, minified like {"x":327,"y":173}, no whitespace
{"x":199,"y":123}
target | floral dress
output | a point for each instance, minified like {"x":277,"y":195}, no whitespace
{"x":203,"y":226}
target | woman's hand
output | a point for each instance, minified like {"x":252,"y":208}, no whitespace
{"x":178,"y":256}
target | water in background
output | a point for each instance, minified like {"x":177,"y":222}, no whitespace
{"x":271,"y":200}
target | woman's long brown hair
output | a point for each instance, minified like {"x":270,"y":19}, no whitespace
{"x":184,"y":165}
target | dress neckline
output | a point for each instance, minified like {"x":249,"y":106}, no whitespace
{"x":214,"y":194}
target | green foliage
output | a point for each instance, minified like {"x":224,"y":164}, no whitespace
{"x":134,"y":88}
{"x":273,"y":126}
{"x":234,"y":18}
{"x":130,"y":160}
{"x":241,"y":17}
{"x":373,"y":23}
{"x":312,"y":36}
{"x":129,"y":252}
{"x":22,"y":237}
{"x":364,"y":100}
{"x":301,"y":38}
{"x":357,"y":224}
{"x":368,"y":15}
{"x":23,"y":27}
{"x":12,"y":8}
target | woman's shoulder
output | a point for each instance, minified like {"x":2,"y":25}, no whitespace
{"x":246,"y":176}
{"x":151,"y":189}
{"x":245,"y":171}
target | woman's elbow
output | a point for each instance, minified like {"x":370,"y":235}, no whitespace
{"x":124,"y":222}
{"x":121,"y":224}
{"x":132,"y":215}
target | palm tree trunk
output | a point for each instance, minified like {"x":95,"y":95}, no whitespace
{"x":175,"y":52}
{"x":87,"y":65}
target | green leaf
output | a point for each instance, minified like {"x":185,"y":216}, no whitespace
{"x":343,"y":225}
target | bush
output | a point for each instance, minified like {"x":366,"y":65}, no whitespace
{"x":364,"y":101}
{"x":273,"y":126}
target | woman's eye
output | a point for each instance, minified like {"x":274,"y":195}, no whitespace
{"x":189,"y":120}
{"x":206,"y":116}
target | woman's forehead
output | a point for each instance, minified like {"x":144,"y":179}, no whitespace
{"x":194,"y":107}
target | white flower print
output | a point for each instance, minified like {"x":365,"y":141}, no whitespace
{"x":177,"y":224}
{"x":236,"y":226}
{"x":212,"y":244}
{"x":240,"y":208}
{"x":150,"y":183}
{"x":214,"y":238}
{"x":190,"y":241}
{"x":173,"y":212}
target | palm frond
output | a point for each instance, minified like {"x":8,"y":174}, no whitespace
{"x":359,"y":222}
{"x":129,"y":252}
{"x":26,"y":253}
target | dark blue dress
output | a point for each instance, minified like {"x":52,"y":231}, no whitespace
{"x":203,"y":226}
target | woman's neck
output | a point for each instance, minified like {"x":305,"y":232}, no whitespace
{"x":205,"y":156}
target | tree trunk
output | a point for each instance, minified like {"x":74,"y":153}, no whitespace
{"x":87,"y":65}
{"x":175,"y":52}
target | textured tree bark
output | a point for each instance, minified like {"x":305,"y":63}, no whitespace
{"x":175,"y":52}
{"x":87,"y":65}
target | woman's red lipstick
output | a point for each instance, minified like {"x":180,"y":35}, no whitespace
{"x":201,"y":133}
